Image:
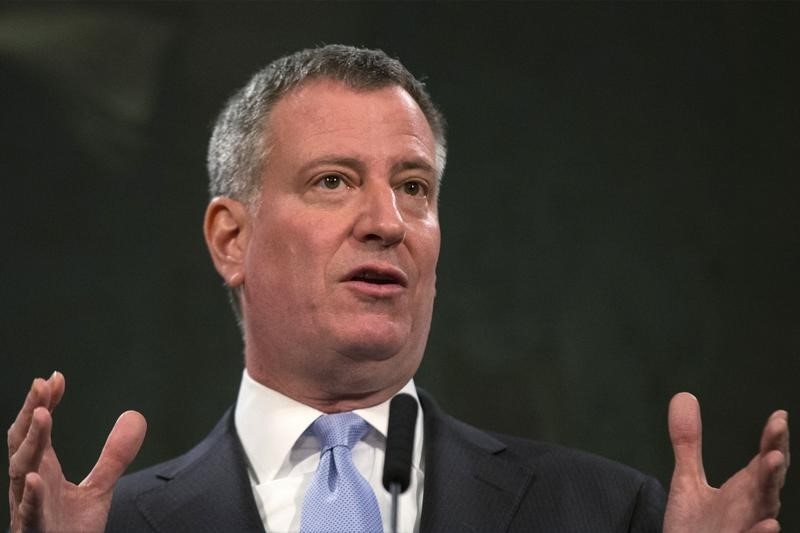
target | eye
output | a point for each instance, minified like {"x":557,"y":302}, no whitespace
{"x":414,"y":188}
{"x":331,"y":181}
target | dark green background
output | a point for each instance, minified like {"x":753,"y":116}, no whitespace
{"x":619,"y":214}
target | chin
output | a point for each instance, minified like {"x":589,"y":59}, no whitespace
{"x":372,"y":349}
{"x":376,"y":340}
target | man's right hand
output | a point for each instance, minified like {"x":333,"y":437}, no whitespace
{"x":39,"y":496}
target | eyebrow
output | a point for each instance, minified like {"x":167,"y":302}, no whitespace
{"x":415,"y":163}
{"x":350,"y":162}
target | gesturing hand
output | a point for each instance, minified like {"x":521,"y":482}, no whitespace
{"x":39,"y":496}
{"x":748,"y":502}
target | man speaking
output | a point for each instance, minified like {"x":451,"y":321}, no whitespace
{"x":324,"y":175}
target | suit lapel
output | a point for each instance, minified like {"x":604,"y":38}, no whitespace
{"x":470,"y":482}
{"x":209,"y":490}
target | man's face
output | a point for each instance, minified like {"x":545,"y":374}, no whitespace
{"x":340,"y":266}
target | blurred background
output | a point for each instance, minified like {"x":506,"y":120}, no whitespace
{"x":619,"y":214}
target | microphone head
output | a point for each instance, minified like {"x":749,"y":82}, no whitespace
{"x":400,"y":441}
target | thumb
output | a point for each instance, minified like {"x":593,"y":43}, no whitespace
{"x":121,"y":447}
{"x":686,"y":432}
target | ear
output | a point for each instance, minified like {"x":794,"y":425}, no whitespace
{"x":226,"y":228}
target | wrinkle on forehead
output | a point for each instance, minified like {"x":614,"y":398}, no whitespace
{"x":356,"y":116}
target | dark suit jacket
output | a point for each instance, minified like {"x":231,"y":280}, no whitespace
{"x":474,"y":481}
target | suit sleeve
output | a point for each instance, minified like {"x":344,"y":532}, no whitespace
{"x":648,"y":515}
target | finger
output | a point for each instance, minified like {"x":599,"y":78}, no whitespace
{"x":771,"y":477}
{"x":29,"y":454}
{"x":57,"y":385}
{"x":38,"y":396}
{"x":766,"y":526}
{"x":121,"y":447}
{"x":31,"y":515}
{"x":685,"y":432}
{"x":776,"y":433}
{"x":775,"y":444}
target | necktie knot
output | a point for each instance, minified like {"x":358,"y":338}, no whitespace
{"x":340,"y":429}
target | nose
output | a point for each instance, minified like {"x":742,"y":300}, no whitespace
{"x":379,"y":219}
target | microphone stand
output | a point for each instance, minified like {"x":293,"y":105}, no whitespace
{"x":394,"y":490}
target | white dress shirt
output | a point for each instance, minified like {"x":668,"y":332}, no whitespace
{"x":283,"y":458}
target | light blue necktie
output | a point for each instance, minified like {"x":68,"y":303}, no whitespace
{"x":339,"y":498}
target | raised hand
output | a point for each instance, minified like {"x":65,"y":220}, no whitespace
{"x":39,"y":496}
{"x":748,"y":502}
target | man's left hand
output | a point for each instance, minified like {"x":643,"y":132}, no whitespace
{"x":748,"y":502}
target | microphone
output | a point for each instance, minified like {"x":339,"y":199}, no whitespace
{"x":399,"y":445}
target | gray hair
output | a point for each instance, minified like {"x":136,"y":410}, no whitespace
{"x":238,"y":149}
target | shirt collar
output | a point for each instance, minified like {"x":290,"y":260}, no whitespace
{"x":269,"y":424}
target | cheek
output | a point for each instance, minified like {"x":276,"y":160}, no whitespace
{"x":293,"y":254}
{"x":280,"y":285}
{"x":428,"y":253}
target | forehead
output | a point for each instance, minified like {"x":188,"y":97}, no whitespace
{"x":327,"y":114}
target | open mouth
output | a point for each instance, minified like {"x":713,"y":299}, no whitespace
{"x":379,"y":276}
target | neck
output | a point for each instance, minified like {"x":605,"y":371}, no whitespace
{"x":331,"y":395}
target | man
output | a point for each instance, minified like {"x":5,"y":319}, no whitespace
{"x":325,"y":173}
